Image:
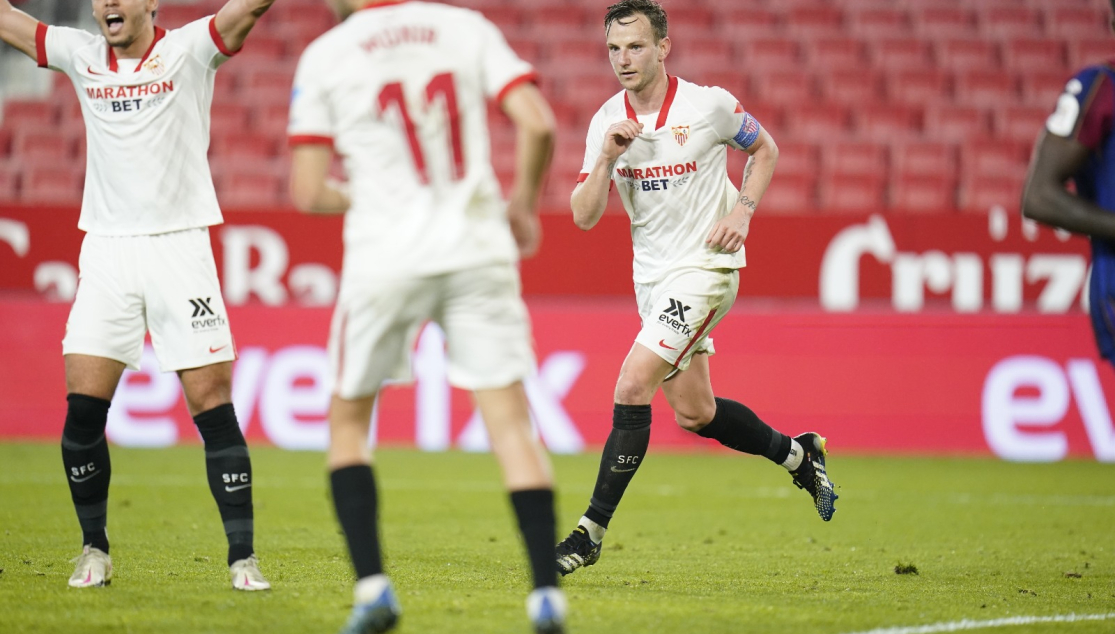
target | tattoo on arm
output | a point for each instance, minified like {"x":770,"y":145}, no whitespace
{"x":747,"y":202}
{"x":747,"y":173}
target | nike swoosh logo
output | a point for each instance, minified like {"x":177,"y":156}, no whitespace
{"x":93,"y":72}
{"x":91,"y":475}
{"x":662,"y":342}
{"x":213,"y":350}
{"x":614,"y":470}
{"x":232,"y":489}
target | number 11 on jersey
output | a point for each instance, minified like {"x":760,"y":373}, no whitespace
{"x":440,"y":86}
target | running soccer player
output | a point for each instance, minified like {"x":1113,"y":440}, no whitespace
{"x":662,"y":141}
{"x":1078,"y":145}
{"x":146,"y":264}
{"x":400,"y":90}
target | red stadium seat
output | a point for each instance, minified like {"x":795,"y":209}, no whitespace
{"x":261,"y":48}
{"x":887,"y":122}
{"x":987,"y":158}
{"x":967,"y":55}
{"x":835,"y":54}
{"x":1077,"y":23}
{"x":851,"y":87}
{"x":944,"y":22}
{"x":554,"y":22}
{"x":1085,"y":52}
{"x":1027,"y":56}
{"x":797,"y":159}
{"x":955,"y":123}
{"x":814,"y":21}
{"x":172,"y":16}
{"x":1042,"y":89}
{"x":587,"y":92}
{"x":21,"y":114}
{"x":5,"y":143}
{"x":689,"y":23}
{"x":919,"y":87}
{"x":986,"y":89}
{"x":733,"y":81}
{"x":854,"y":158}
{"x":853,"y":193}
{"x":527,"y":48}
{"x":817,"y":123}
{"x":981,"y":194}
{"x":244,"y":145}
{"x":49,"y":145}
{"x":52,"y":184}
{"x":770,"y":117}
{"x":1021,"y":123}
{"x":1010,"y":22}
{"x":697,"y":56}
{"x":249,"y":189}
{"x":790,"y":193}
{"x":508,"y":18}
{"x":874,"y":23}
{"x":921,"y":192}
{"x":268,"y":84}
{"x":925,"y":159}
{"x":901,"y":55}
{"x":783,"y":89}
{"x":227,"y":117}
{"x":771,"y":55}
{"x":745,"y":24}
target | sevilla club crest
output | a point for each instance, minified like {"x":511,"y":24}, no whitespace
{"x":681,"y":133}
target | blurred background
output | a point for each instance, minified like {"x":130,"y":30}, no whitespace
{"x":894,"y":298}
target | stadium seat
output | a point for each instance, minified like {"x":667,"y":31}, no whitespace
{"x":874,"y":23}
{"x":919,"y":87}
{"x":967,"y":55}
{"x":249,"y":189}
{"x":172,"y":16}
{"x":50,"y":145}
{"x":261,"y":48}
{"x":556,"y":22}
{"x":52,"y":184}
{"x":770,"y":55}
{"x":795,"y":159}
{"x":986,"y":89}
{"x":981,"y":194}
{"x":944,"y":22}
{"x":818,"y":123}
{"x":1076,"y":23}
{"x":1020,"y":123}
{"x":770,"y":117}
{"x":1004,"y":23}
{"x":854,"y":158}
{"x":925,"y":158}
{"x":853,"y":87}
{"x":734,"y":81}
{"x":1034,"y":55}
{"x":508,"y":18}
{"x":245,"y":146}
{"x":569,"y":58}
{"x":901,"y":55}
{"x":9,"y":183}
{"x":783,"y":89}
{"x":1043,"y":89}
{"x":860,"y":193}
{"x":700,"y":55}
{"x":527,"y":48}
{"x":5,"y":143}
{"x":735,"y":24}
{"x":922,"y":192}
{"x":689,"y":23}
{"x":588,"y":92}
{"x":812,"y":22}
{"x":1087,"y":52}
{"x":227,"y":117}
{"x":955,"y":123}
{"x":24,"y":114}
{"x":831,"y":54}
{"x":790,"y":193}
{"x":993,"y":158}
{"x":887,"y":122}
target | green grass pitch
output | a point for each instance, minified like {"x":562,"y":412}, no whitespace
{"x":704,"y":543}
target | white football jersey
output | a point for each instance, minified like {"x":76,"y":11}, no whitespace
{"x":673,"y":179}
{"x":146,"y":127}
{"x":400,"y":91}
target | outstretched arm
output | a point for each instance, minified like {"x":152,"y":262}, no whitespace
{"x":1044,"y":198}
{"x":534,"y":145}
{"x":18,"y":29}
{"x":730,"y":232}
{"x":235,"y":20}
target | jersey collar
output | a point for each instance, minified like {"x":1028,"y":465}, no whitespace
{"x":112,"y":65}
{"x":671,"y":90}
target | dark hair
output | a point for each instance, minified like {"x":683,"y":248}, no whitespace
{"x":654,"y":12}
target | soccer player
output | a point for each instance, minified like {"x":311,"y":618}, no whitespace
{"x":400,"y":91}
{"x":1078,"y":145}
{"x":146,"y":264}
{"x":662,"y":141}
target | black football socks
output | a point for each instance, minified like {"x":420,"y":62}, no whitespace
{"x":623,"y":453}
{"x":88,"y":468}
{"x":737,"y":427}
{"x":229,"y":471}
{"x":535,"y":510}
{"x":354,"y":498}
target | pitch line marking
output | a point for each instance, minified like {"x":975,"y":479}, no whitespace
{"x":969,"y":624}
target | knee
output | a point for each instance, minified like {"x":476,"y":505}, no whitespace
{"x":631,"y":391}
{"x":695,"y":417}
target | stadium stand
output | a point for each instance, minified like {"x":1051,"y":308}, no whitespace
{"x":902,"y":105}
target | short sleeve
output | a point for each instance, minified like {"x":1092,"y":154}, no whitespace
{"x":731,"y":122}
{"x":594,"y":144}
{"x":311,"y":121}
{"x":204,"y":43}
{"x":55,"y":46}
{"x":1085,"y":109}
{"x":501,"y":68}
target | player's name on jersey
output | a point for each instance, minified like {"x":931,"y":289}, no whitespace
{"x":657,"y":171}
{"x":391,"y":38}
{"x":128,"y":92}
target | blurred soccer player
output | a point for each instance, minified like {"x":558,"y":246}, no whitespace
{"x":1078,"y":145}
{"x":662,"y":141}
{"x":400,"y":90}
{"x":146,"y":264}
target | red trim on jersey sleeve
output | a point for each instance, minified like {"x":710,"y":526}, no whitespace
{"x":310,"y":139}
{"x":220,"y":42}
{"x":582,"y":177}
{"x":739,"y":108}
{"x":40,"y":45}
{"x":531,"y":77}
{"x":1099,"y":107}
{"x":669,"y":101}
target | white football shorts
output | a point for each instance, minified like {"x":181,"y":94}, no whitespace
{"x":679,"y":312}
{"x":165,"y":284}
{"x":487,"y":329}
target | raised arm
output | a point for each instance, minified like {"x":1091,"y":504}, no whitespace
{"x":534,"y":144}
{"x":730,"y":232}
{"x":1044,"y":198}
{"x":590,"y":197}
{"x":235,"y":20}
{"x":311,"y":189}
{"x":18,"y":29}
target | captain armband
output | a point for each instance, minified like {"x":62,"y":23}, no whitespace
{"x":748,"y":132}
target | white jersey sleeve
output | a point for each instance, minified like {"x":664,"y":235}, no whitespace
{"x":594,"y":144}
{"x":502,"y":68}
{"x":310,"y":119}
{"x":203,"y":42}
{"x":55,"y":46}
{"x":727,"y":117}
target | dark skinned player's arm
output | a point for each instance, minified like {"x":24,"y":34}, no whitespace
{"x":1044,"y":197}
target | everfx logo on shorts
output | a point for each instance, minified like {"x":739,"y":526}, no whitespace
{"x":199,"y":322}
{"x":674,"y":317}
